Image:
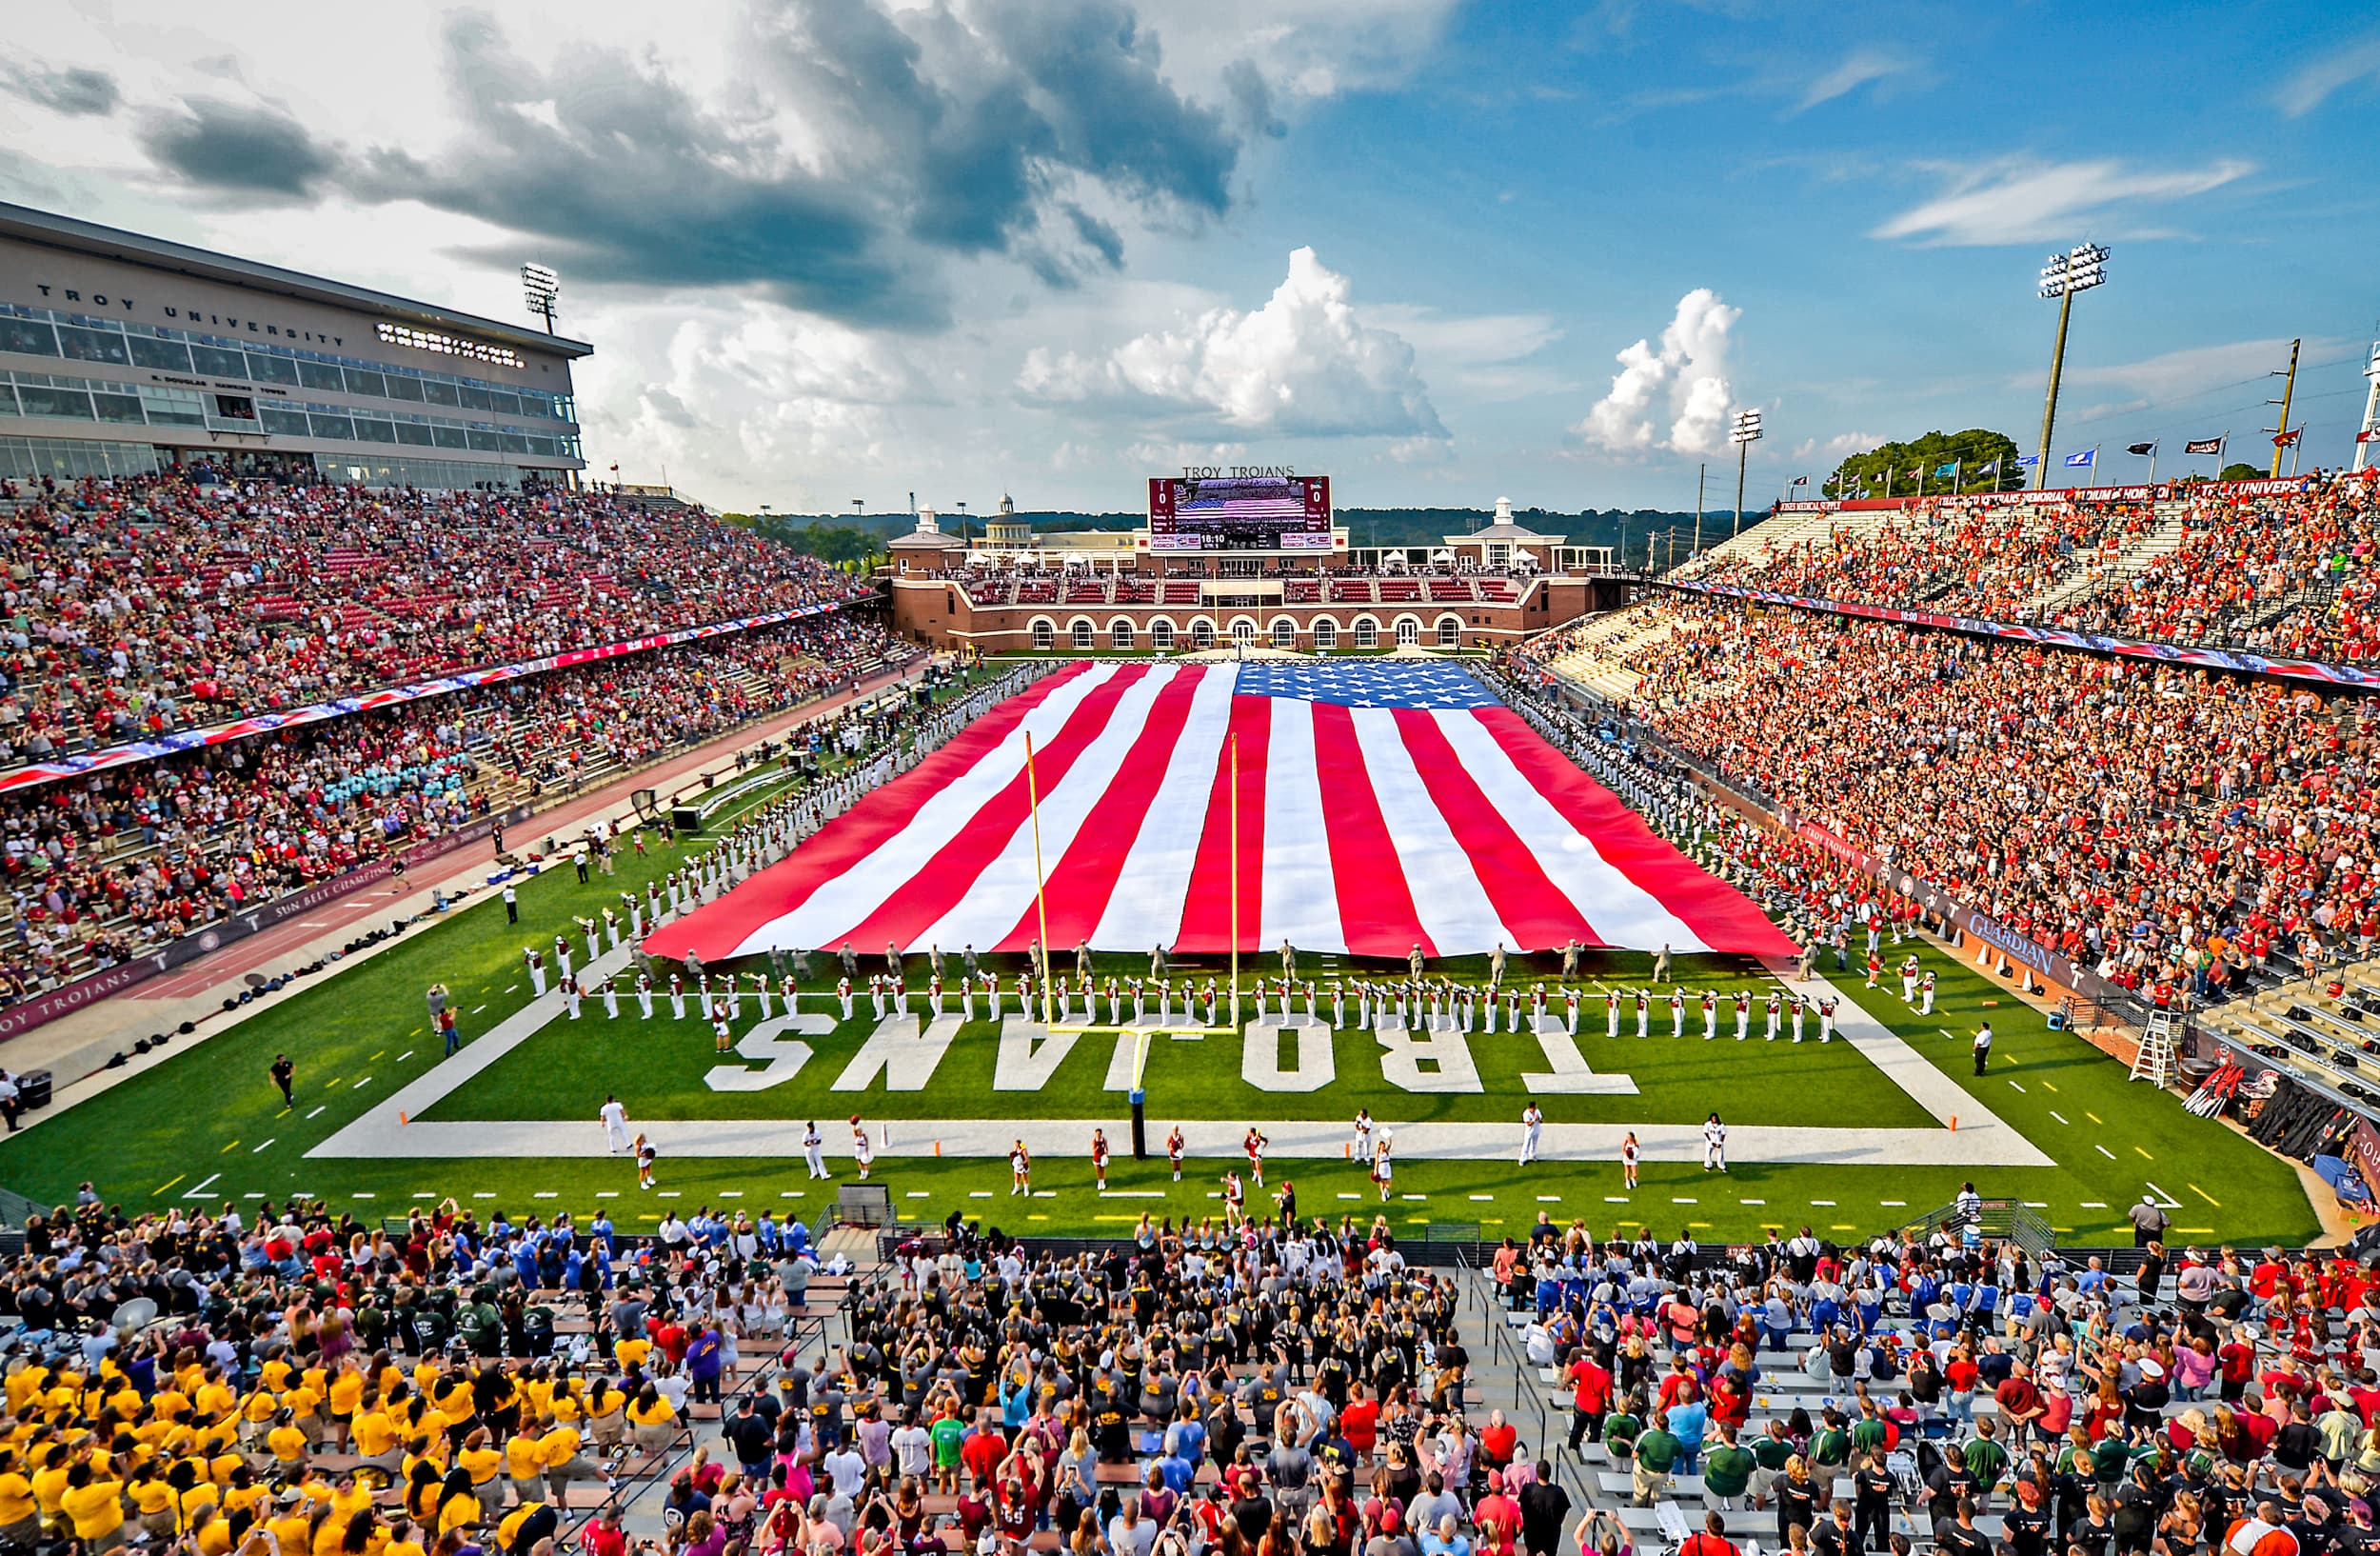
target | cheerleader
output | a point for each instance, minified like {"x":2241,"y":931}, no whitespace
{"x":1099,"y":1158}
{"x":1019,"y":1171}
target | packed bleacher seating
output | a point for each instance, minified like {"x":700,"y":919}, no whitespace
{"x":135,"y":606}
{"x":2285,"y":575}
{"x":2173,"y":827}
{"x":458,"y":1381}
{"x":1990,"y":562}
{"x":103,"y":866}
{"x":265,"y":1406}
{"x":1954,"y":1393}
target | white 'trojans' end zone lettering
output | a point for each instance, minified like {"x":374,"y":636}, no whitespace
{"x":905,"y":1058}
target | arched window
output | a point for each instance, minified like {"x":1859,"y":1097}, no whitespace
{"x":1244,"y":632}
{"x":1044,"y":636}
{"x":1162,"y":637}
{"x":1326,"y":634}
{"x":1367,"y":634}
{"x":1120,"y":635}
{"x":1203,"y":633}
{"x":1284,"y":633}
{"x":1408,"y":632}
{"x":1083,"y":637}
{"x":1449,"y":632}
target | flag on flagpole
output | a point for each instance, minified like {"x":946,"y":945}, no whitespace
{"x":2148,"y":447}
{"x":1991,"y":468}
{"x":2087,"y":459}
{"x":2027,"y":461}
{"x":2204,"y":446}
{"x":1374,"y":807}
{"x":1951,"y":468}
{"x":1801,"y":480}
{"x":2282,"y":440}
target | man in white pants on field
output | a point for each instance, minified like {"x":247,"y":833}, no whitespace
{"x":1713,"y":1145}
{"x":615,"y":1119}
{"x":814,"y":1150}
{"x":1532,"y":1126}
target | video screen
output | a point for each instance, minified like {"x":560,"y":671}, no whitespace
{"x":1240,"y":513}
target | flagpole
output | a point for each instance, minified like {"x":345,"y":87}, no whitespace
{"x":1041,"y":902}
{"x":1234,"y":878}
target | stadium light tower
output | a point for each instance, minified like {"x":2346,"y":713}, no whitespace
{"x":540,"y":285}
{"x":2368,"y":432}
{"x":1743,"y":436}
{"x":2079,"y":268}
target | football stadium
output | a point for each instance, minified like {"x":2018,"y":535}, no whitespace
{"x":1265,"y":1000}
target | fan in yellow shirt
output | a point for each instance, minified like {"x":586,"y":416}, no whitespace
{"x":156,"y":1503}
{"x":209,"y":1530}
{"x":286,"y":1444}
{"x":524,"y":1526}
{"x":291,"y":1525}
{"x":93,"y":1506}
{"x":20,"y":1515}
{"x":50,"y":1480}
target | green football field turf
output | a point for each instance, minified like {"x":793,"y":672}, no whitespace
{"x":206,"y":1125}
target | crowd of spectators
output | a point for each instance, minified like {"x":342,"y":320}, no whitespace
{"x":2166,"y":825}
{"x":134,"y":607}
{"x":1841,"y":1400}
{"x":106,"y":865}
{"x":314,"y":1385}
{"x":1989,"y":562}
{"x":2287,"y":575}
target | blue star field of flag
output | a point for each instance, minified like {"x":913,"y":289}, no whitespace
{"x":1427,"y":687}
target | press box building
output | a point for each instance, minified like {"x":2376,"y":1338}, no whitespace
{"x":121,"y":354}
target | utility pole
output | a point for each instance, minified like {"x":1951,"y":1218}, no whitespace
{"x":2079,"y":268}
{"x":1746,"y":432}
{"x":2289,"y":388}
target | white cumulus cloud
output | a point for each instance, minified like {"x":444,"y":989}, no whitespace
{"x":2022,"y":201}
{"x":1302,"y":365}
{"x":1674,"y":396}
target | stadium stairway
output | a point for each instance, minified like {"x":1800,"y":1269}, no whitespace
{"x":2132,"y":559}
{"x":2321,"y":1034}
{"x":1753,"y":551}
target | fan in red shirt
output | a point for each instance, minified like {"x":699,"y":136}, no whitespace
{"x":1359,"y":1422}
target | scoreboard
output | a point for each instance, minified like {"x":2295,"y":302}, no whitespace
{"x":1240,"y":513}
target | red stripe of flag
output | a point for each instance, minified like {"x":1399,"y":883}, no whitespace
{"x":1206,"y":910}
{"x":717,"y":929}
{"x":1077,"y":889}
{"x":941,"y":881}
{"x":1538,"y":912}
{"x":1716,"y":912}
{"x":1375,"y":908}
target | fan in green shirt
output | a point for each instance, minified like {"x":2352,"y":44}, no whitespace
{"x":1987,"y":1460}
{"x":947,"y":1434}
{"x":1657,"y":1451}
{"x":1831,"y":1447}
{"x":1727,"y":1469}
{"x":1619,"y":1433}
{"x":1870,"y":1435}
{"x":1771,"y":1452}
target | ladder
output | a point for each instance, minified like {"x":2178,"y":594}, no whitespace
{"x":2157,"y":1058}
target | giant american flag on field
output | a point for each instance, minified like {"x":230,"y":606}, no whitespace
{"x":1381,"y":806}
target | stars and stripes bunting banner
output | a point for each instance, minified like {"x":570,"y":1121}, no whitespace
{"x":1380,"y":806}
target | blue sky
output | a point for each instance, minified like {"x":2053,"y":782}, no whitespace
{"x":854,"y":249}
